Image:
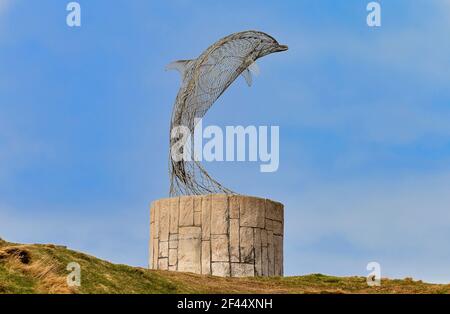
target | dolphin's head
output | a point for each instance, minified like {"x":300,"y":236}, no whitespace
{"x":280,"y":48}
{"x":267,"y":44}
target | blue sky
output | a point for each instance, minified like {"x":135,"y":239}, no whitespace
{"x":363,"y":113}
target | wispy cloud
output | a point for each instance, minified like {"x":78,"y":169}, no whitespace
{"x":401,"y":223}
{"x":17,"y":150}
{"x":418,"y":46}
{"x":407,"y":67}
{"x":4,"y":5}
{"x":92,"y":234}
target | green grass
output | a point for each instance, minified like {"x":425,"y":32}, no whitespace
{"x":15,"y":282}
{"x":41,"y":268}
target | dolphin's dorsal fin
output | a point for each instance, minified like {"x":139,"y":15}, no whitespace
{"x":179,"y":65}
{"x":247,"y":73}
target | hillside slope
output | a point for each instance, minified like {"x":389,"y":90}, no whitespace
{"x":41,"y":268}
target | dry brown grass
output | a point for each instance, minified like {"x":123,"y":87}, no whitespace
{"x":45,"y":270}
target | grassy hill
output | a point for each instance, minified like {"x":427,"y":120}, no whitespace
{"x":40,"y":268}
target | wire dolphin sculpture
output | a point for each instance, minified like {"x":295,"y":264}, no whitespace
{"x":203,"y":81}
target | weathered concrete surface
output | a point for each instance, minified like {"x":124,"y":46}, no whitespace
{"x":221,"y":235}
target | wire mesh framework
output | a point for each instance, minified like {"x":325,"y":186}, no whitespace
{"x":203,"y":81}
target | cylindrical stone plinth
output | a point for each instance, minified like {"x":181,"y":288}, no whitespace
{"x":218,"y":234}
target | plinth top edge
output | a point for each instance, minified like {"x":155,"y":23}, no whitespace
{"x":239,"y":196}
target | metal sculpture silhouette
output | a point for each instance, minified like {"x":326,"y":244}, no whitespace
{"x":203,"y":81}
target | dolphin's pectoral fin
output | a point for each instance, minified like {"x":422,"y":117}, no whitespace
{"x":247,"y":73}
{"x":248,"y":76}
{"x":179,"y":65}
{"x":254,"y":68}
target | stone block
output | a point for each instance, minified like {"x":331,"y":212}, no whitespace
{"x":264,"y":237}
{"x":279,"y":212}
{"x":163,"y":263}
{"x":219,"y":248}
{"x":206,"y":217}
{"x":150,"y":251}
{"x":278,"y":255}
{"x":220,"y":269}
{"x":151,"y":257}
{"x":186,"y":217}
{"x":155,"y":249}
{"x":270,"y":253}
{"x":164,"y":212}
{"x":173,"y":241}
{"x":234,"y":240}
{"x":163,"y":249}
{"x":174,"y":206}
{"x":189,"y":249}
{"x":242,"y":270}
{"x":206,"y":257}
{"x":152,"y":212}
{"x":277,"y":227}
{"x":219,"y":214}
{"x":269,"y":225}
{"x":197,"y":202}
{"x":246,"y":245}
{"x":234,"y":201}
{"x":265,"y":261}
{"x":274,"y":210}
{"x":173,"y":257}
{"x":252,"y":212}
{"x":197,"y":218}
{"x":270,"y":209}
{"x":258,"y":251}
{"x":156,"y":224}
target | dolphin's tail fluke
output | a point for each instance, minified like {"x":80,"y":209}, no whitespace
{"x":190,"y":178}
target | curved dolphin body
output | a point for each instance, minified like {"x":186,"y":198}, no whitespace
{"x":203,"y":81}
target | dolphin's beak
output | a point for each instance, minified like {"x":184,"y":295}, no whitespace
{"x":281,"y":48}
